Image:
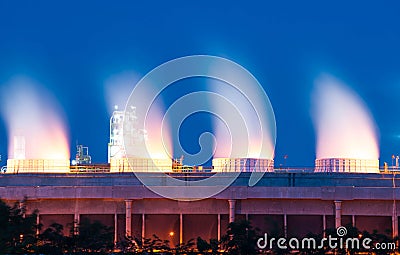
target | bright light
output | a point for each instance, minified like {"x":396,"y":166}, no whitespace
{"x":171,"y":234}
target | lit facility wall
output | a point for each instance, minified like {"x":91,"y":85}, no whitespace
{"x":242,"y":165}
{"x":346,"y":165}
{"x":120,"y":165}
{"x":38,"y":166}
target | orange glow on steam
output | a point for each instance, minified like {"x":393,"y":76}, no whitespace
{"x":344,"y":126}
{"x":33,"y":123}
{"x":159,"y":145}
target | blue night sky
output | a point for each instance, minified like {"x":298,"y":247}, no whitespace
{"x":74,"y":48}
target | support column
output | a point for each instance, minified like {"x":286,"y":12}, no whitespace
{"x":395,"y":219}
{"x":232,"y":210}
{"x":76,"y":216}
{"x":219,"y":227}
{"x":395,"y":226}
{"x":115,"y":228}
{"x":180,"y":228}
{"x":76,"y":223}
{"x":324,"y":224}
{"x":338,"y":213}
{"x":128,"y":217}
{"x":353,"y":220}
{"x":285,"y":225}
{"x":143,"y":225}
{"x":37,"y":223}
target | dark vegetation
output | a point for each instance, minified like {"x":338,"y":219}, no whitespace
{"x":19,"y":234}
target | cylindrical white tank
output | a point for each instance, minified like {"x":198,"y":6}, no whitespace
{"x":119,"y":165}
{"x":242,"y":165}
{"x":347,"y":165}
{"x":37,"y":166}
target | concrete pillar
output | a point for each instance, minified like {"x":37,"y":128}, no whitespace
{"x":324,"y":224}
{"x":219,"y":227}
{"x":285,"y":225}
{"x":76,"y":222}
{"x":395,"y":218}
{"x":143,"y":225}
{"x":232,"y":210}
{"x":128,"y":217}
{"x":395,"y":225}
{"x":76,"y":216}
{"x":338,"y":213}
{"x":181,"y":228}
{"x":115,"y":228}
{"x":37,"y":223}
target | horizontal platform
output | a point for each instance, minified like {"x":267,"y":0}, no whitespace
{"x":321,"y":186}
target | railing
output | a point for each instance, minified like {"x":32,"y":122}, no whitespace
{"x":105,"y":168}
{"x":294,"y":170}
{"x":90,"y":168}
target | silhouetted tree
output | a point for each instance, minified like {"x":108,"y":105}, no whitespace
{"x":129,"y":244}
{"x":17,"y":228}
{"x":138,"y":245}
{"x":207,"y":248}
{"x":381,"y":239}
{"x":214,"y":243}
{"x":310,"y":248}
{"x":202,"y":245}
{"x":353,"y":232}
{"x":53,"y":240}
{"x":240,"y":238}
{"x":91,"y":237}
{"x":185,"y":248}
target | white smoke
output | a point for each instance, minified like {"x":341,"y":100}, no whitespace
{"x":33,"y":122}
{"x":345,"y":128}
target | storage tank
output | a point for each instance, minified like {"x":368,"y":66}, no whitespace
{"x":347,"y":165}
{"x":20,"y":164}
{"x":119,"y":165}
{"x":242,"y":165}
{"x":37,"y":166}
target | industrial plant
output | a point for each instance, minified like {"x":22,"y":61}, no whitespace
{"x":346,"y":186}
{"x":120,"y":162}
{"x":338,"y":191}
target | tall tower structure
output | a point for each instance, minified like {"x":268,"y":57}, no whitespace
{"x":115,"y":145}
{"x":119,"y":159}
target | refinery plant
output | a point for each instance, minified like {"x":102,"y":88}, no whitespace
{"x":139,"y":194}
{"x":346,"y":140}
{"x":120,"y":162}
